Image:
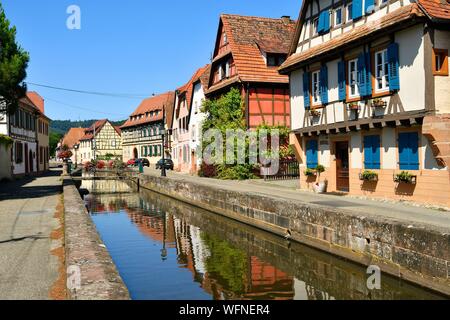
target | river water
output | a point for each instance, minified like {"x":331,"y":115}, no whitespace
{"x":166,"y":249}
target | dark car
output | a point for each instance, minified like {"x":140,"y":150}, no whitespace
{"x":168,"y":164}
{"x":144,"y":161}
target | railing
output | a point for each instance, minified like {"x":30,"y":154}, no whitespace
{"x":288,"y":169}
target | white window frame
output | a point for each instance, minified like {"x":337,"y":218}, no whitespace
{"x":349,"y":76}
{"x":384,"y":74}
{"x":314,"y":26}
{"x":315,"y":87}
{"x":348,"y":14}
{"x":335,"y":15}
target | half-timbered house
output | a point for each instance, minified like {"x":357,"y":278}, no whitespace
{"x":247,"y":54}
{"x":141,"y":133}
{"x":370,"y":96}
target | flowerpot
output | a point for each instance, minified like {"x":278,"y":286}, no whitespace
{"x":320,"y":187}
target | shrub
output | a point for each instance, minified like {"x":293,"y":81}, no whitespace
{"x":405,"y":177}
{"x":369,"y":175}
{"x":100,"y":165}
{"x":235,"y":172}
{"x":207,"y":170}
{"x":309,"y":172}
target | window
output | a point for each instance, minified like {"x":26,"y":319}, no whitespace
{"x":349,"y":12}
{"x":196,"y":107}
{"x":381,"y":71}
{"x":19,"y":152}
{"x":353,"y":91}
{"x":314,"y":26}
{"x":338,"y":16}
{"x":225,"y":39}
{"x":312,"y":159}
{"x":315,"y":87}
{"x":372,"y":152}
{"x":408,"y":150}
{"x":440,"y":62}
{"x":275,"y":60}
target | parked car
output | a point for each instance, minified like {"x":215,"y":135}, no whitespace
{"x":144,"y":161}
{"x":131,"y":163}
{"x":168,"y":164}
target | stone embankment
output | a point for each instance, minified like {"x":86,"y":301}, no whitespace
{"x":416,"y":252}
{"x":92,"y":274}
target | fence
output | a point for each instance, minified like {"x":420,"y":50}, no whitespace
{"x":288,"y":169}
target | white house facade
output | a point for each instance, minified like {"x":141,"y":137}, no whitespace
{"x":370,"y":98}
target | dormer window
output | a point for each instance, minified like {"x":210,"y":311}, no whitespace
{"x":275,"y":60}
{"x":225,"y":39}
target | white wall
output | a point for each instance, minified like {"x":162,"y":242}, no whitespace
{"x":442,"y":83}
{"x":196,"y":120}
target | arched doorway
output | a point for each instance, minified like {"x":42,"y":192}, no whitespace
{"x":135,"y":153}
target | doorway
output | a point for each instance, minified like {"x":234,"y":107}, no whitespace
{"x":342,"y":167}
{"x":135,"y":153}
{"x":193,"y":163}
{"x":26,"y":159}
{"x":31,"y":161}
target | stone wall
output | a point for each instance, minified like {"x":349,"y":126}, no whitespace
{"x":419,"y":254}
{"x":86,"y":253}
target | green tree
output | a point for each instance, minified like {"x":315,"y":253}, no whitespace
{"x":13,"y":66}
{"x":54,"y":139}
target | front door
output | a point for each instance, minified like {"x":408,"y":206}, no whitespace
{"x":342,"y":166}
{"x":31,"y":161}
{"x":194,"y":163}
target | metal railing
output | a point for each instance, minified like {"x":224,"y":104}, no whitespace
{"x":288,"y":169}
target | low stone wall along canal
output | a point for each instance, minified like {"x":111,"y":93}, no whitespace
{"x":168,"y":249}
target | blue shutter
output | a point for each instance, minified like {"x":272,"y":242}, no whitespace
{"x":320,"y":25}
{"x":393,"y":64}
{"x":357,"y":9}
{"x":408,"y":150}
{"x":312,"y":158}
{"x":362,"y":77}
{"x":372,"y":152}
{"x":307,"y":100}
{"x":324,"y":84}
{"x":369,"y":6}
{"x":368,"y":74}
{"x":368,"y":152}
{"x":341,"y":80}
{"x":376,"y":163}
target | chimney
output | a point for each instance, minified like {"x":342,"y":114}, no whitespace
{"x":286,"y":19}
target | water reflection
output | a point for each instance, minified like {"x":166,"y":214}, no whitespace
{"x":165,"y":249}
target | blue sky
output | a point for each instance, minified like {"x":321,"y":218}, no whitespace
{"x":137,"y":46}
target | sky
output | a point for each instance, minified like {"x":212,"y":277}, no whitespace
{"x":138,"y":47}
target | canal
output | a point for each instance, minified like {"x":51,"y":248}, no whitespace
{"x":166,"y":249}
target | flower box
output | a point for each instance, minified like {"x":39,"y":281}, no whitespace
{"x":353,"y":106}
{"x":379,"y":103}
{"x":368,"y":176}
{"x":405,"y":177}
{"x":314,"y":113}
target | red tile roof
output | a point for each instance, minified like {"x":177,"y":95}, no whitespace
{"x":246,"y":37}
{"x":37,"y":100}
{"x":392,"y":19}
{"x":436,"y":9}
{"x":151,"y":104}
{"x":98,"y":125}
{"x":73,"y":137}
{"x":187,"y":90}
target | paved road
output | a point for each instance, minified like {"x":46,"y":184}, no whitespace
{"x":27,"y":207}
{"x":405,"y":213}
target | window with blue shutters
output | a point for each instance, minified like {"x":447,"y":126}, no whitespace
{"x":372,"y":152}
{"x":341,"y":80}
{"x":393,"y":65}
{"x":369,"y":6}
{"x":324,"y":84}
{"x":408,"y":150}
{"x":324,"y":22}
{"x":364,"y":75}
{"x":357,"y":9}
{"x":306,"y":96}
{"x":312,"y":154}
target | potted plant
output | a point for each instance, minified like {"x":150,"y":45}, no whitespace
{"x":314,"y":113}
{"x":379,"y":103}
{"x":368,"y":175}
{"x":309,"y":172}
{"x":405,"y":177}
{"x":320,"y":186}
{"x":353,"y":106}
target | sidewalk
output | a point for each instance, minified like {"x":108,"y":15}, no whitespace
{"x":405,"y":213}
{"x":28,"y":270}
